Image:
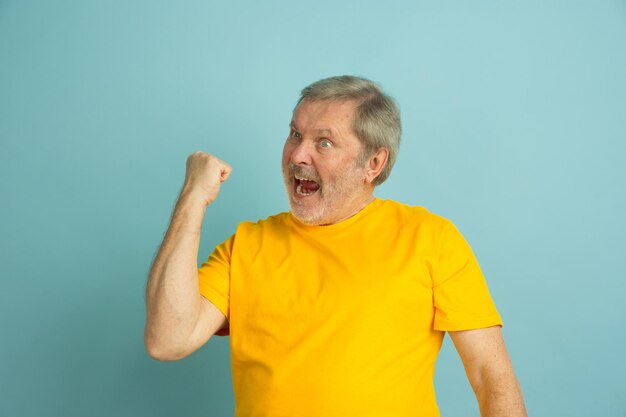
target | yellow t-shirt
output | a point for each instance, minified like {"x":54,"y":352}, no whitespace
{"x":346,"y":319}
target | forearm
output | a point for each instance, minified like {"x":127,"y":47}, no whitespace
{"x":172,"y":295}
{"x":500,"y":395}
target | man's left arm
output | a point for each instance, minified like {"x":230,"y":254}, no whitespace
{"x":490,"y":371}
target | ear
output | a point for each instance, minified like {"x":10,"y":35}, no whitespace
{"x":376,"y":163}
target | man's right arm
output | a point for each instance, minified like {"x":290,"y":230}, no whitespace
{"x":178,"y":319}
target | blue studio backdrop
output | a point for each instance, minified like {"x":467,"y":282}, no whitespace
{"x":513,"y":116}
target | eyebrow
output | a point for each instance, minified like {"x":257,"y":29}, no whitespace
{"x":292,"y":125}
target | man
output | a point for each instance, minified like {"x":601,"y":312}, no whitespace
{"x":338,"y":307}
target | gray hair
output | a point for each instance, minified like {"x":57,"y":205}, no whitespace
{"x":376,"y":118}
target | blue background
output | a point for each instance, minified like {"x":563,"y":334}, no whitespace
{"x":513,"y":117}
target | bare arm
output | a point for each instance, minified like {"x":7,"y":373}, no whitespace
{"x":490,"y":372}
{"x":178,"y":319}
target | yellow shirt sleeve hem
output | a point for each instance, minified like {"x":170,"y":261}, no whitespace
{"x":447,"y":326}
{"x":216,"y":299}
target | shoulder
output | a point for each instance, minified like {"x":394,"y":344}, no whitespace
{"x":275,"y":222}
{"x":251,"y":237}
{"x":413,"y":215}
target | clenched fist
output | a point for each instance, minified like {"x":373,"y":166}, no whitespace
{"x":205,"y":173}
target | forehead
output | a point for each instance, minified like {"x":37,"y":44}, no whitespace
{"x":325,"y":115}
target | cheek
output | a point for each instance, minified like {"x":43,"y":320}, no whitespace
{"x":286,"y":153}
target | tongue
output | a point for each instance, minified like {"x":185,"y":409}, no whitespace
{"x":309,"y":186}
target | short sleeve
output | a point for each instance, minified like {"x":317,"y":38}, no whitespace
{"x":461,"y":297}
{"x":214,"y":279}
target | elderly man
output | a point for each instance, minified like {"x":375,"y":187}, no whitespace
{"x":339,"y":306}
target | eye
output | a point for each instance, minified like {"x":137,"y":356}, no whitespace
{"x":295,"y":135}
{"x":326,"y":144}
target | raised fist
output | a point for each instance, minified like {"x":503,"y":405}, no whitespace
{"x":205,"y":173}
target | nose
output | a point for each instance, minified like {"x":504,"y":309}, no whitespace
{"x":301,"y":154}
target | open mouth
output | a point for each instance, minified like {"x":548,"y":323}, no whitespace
{"x":305,"y":186}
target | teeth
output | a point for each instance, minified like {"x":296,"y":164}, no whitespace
{"x":300,"y":191}
{"x":302,"y":178}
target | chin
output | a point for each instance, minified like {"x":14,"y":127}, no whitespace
{"x":311,"y":217}
{"x":305,"y":216}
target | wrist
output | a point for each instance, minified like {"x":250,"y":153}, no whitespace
{"x":193,"y":197}
{"x":188,"y":213}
